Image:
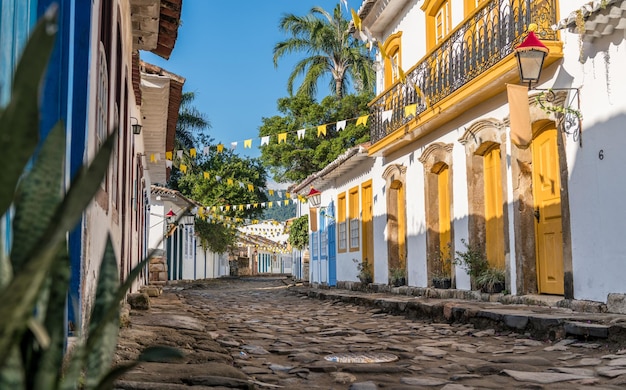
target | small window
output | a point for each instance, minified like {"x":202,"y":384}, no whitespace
{"x":343,"y":238}
{"x":354,"y":208}
{"x":354,"y":234}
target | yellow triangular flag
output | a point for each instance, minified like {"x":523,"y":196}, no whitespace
{"x":183,"y":168}
{"x":240,"y":207}
{"x":402,"y":75}
{"x":247,"y":143}
{"x":206,"y":175}
{"x":356,"y":19}
{"x":227,"y":207}
{"x":250,"y":187}
{"x":286,"y":202}
{"x":152,"y":158}
{"x":321,"y":130}
{"x":287,"y":195}
{"x":282,"y":137}
{"x":409,"y":110}
{"x":220,"y":148}
{"x":214,"y":208}
{"x":269,"y":205}
{"x":192,"y":152}
{"x":271,"y":192}
{"x":229,"y":182}
{"x":362,"y":120}
{"x":168,"y":156}
{"x":256,"y":205}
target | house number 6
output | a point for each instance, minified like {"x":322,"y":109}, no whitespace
{"x":601,"y":154}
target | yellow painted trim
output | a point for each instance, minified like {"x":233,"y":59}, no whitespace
{"x":341,"y":218}
{"x":482,"y":88}
{"x":392,"y":45}
{"x":353,"y":212}
{"x":367,"y":241}
{"x":494,"y":222}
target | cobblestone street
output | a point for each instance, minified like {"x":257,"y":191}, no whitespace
{"x":257,"y":333}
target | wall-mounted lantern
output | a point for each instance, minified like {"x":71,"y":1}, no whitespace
{"x":530,"y":56}
{"x":315,"y":198}
{"x":136,"y":126}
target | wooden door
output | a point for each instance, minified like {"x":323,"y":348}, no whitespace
{"x":367,"y":223}
{"x":494,"y":222}
{"x":547,"y":203}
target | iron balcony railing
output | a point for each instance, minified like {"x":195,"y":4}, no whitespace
{"x":484,"y":39}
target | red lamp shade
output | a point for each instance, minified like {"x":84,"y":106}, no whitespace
{"x":530,"y":55}
{"x":315,"y":197}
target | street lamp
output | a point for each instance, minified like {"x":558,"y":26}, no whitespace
{"x":315,"y":198}
{"x":171,"y":215}
{"x":136,"y":126}
{"x":530,"y":56}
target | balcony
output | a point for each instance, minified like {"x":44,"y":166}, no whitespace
{"x":487,"y":37}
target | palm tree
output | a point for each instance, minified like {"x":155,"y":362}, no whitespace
{"x":190,"y":121}
{"x":333,"y":51}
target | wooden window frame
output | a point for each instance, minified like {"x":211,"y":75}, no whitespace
{"x":354,"y":220}
{"x":342,"y":231}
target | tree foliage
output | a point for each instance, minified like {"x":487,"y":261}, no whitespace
{"x":280,"y":212}
{"x":215,"y":234}
{"x":296,"y":158}
{"x":331,"y":51}
{"x":191,"y":122}
{"x":299,"y":232}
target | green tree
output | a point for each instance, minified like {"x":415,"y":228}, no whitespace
{"x":279,"y":211}
{"x":191,"y":127}
{"x":332,"y":52}
{"x":215,"y":233}
{"x":299,"y":232}
{"x":190,"y":122}
{"x":296,"y":158}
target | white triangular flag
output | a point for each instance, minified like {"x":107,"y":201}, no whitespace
{"x":179,"y":153}
{"x":168,"y":163}
{"x":301,"y":133}
{"x":341,"y":125}
{"x":387,"y":115}
{"x":233,"y":145}
{"x":205,"y":151}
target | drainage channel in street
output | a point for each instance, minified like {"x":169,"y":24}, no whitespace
{"x":361,"y":358}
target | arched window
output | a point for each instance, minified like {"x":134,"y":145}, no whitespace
{"x":393,"y":59}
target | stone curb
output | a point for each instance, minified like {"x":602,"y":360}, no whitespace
{"x":540,"y":322}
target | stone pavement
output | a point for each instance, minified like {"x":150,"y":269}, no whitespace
{"x":268,"y":333}
{"x":542,"y":317}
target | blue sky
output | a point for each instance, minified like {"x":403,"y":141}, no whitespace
{"x":225,"y":52}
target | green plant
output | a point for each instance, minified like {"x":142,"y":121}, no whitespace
{"x":472,"y":258}
{"x":490,"y":279}
{"x":299,"y":232}
{"x":365,"y":271}
{"x":34,"y":277}
{"x":397,"y":276}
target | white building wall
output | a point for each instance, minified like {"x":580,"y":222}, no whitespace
{"x":597,"y":188}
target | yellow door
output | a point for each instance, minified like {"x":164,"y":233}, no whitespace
{"x":443,"y":190}
{"x":547,"y":198}
{"x":494,"y":223}
{"x":367,"y":224}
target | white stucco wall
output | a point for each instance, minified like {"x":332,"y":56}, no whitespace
{"x":597,"y":187}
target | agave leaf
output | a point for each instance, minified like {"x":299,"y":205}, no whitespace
{"x":19,"y":122}
{"x":20,"y":295}
{"x":47,"y":374}
{"x":101,"y":350}
{"x":12,"y":373}
{"x":124,"y":288}
{"x":37,"y":196}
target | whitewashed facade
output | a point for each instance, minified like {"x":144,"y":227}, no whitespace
{"x":457,"y":151}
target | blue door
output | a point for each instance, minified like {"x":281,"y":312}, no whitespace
{"x":332,"y":248}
